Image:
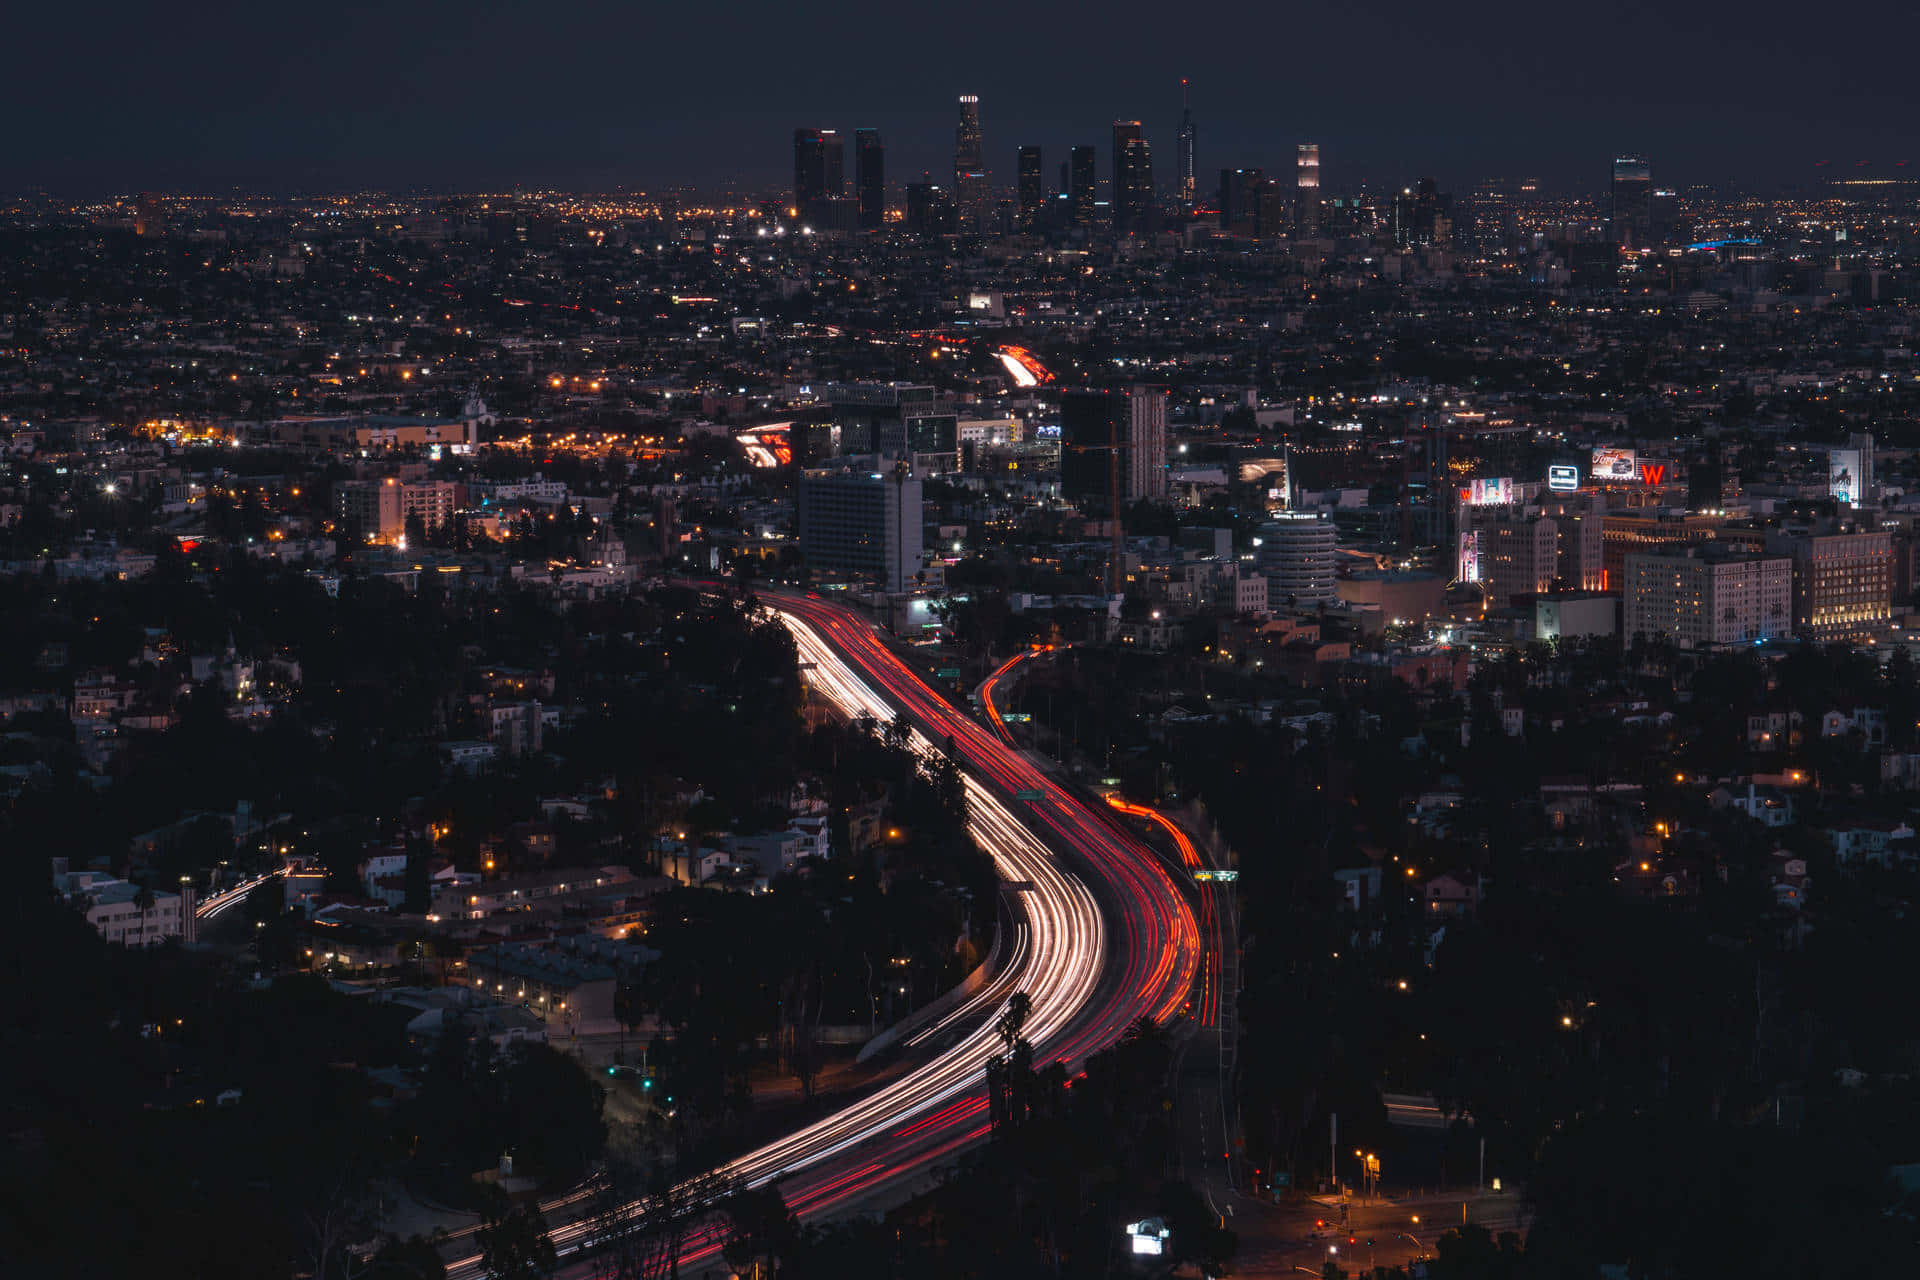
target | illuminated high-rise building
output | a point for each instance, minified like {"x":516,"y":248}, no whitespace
{"x":870,"y":178}
{"x":1631,"y":225}
{"x":1032,"y":188}
{"x":1306,"y":214}
{"x":1083,"y":168}
{"x":1132,"y":199}
{"x":970,"y":166}
{"x":1183,"y":153}
{"x":810,"y":165}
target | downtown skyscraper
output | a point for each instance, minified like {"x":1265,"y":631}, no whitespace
{"x":1082,"y":180}
{"x":1306,"y":212}
{"x":1630,"y":224}
{"x":1031,"y":188}
{"x":870,"y":178}
{"x":819,"y":165}
{"x":1183,"y":150}
{"x":1132,"y":178}
{"x":970,"y":166}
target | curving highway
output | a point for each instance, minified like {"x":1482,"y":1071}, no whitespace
{"x":214,"y":905}
{"x":1089,"y":972}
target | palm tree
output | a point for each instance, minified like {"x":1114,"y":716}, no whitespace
{"x":143,"y":903}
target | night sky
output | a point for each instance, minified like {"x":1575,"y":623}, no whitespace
{"x":118,"y":96}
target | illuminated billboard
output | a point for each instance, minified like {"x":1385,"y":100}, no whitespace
{"x":1497,"y":492}
{"x":1469,"y":555}
{"x":1615,"y":466}
{"x":1271,"y":475}
{"x":1563,"y":477}
{"x":1843,"y":475}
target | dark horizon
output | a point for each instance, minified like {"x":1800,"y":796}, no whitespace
{"x":449,"y":98}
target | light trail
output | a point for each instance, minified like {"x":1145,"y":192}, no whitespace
{"x":227,"y":897}
{"x":1063,"y":956}
{"x":1209,"y":1011}
{"x":1022,"y":376}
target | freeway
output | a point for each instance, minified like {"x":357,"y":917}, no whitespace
{"x":1088,"y":972}
{"x":1206,"y":1062}
{"x":219,"y":902}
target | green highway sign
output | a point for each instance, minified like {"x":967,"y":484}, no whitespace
{"x":1030,"y":795}
{"x":1206,"y":876}
{"x":1017,"y":717}
{"x":948,"y":673}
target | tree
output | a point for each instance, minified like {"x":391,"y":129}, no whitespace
{"x":514,"y":1244}
{"x":1471,"y":1252}
{"x":557,"y":1128}
{"x":759,"y":1229}
{"x":1197,"y":1237}
{"x":419,"y":881}
{"x":414,"y":1258}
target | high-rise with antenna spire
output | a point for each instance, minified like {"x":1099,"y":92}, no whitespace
{"x":1183,"y":151}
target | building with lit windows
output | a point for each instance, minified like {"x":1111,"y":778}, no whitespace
{"x":118,"y":912}
{"x":1306,"y":216}
{"x":1707,"y":596}
{"x":970,"y":166}
{"x":1631,"y":221}
{"x":863,"y":523}
{"x":378,"y":510}
{"x":1296,"y":556}
{"x":819,"y":165}
{"x":1518,"y":556}
{"x":1082,"y":183}
{"x":1842,"y":583}
{"x":1031,"y":188}
{"x":1132,"y":178}
{"x":1183,"y":151}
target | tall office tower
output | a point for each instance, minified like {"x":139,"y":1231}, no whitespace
{"x":1033,"y":191}
{"x":1306,"y":214}
{"x":1296,"y":557}
{"x":870,"y":178}
{"x":1083,"y":179}
{"x":1663,"y":213}
{"x":861,"y":522}
{"x":809,"y":165}
{"x":1132,"y":177}
{"x":929,"y":209}
{"x":1240,"y":200}
{"x":834,"y":148}
{"x":1183,"y":153}
{"x":1422,"y":215}
{"x":970,"y":166}
{"x":1631,"y":225}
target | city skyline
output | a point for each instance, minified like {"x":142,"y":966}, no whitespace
{"x":444,"y":99}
